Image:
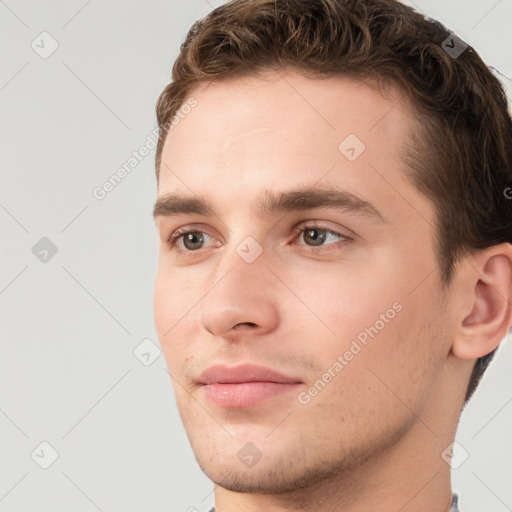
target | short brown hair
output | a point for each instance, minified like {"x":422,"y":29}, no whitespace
{"x":461,"y":154}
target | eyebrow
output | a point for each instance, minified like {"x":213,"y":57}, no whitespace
{"x":171,"y":204}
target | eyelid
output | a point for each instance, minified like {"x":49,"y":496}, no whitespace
{"x":318,"y":224}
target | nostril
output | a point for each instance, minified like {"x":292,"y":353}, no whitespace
{"x":250,"y":324}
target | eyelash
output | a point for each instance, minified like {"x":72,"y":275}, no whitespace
{"x":173,"y":240}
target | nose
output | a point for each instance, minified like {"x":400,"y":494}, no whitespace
{"x":242,"y":299}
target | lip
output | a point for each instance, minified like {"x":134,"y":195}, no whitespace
{"x":222,"y":374}
{"x":244,"y":385}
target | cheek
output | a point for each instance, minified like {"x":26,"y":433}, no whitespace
{"x":346,"y":302}
{"x":168,"y":308}
{"x":371,"y":319}
{"x":162,"y":305}
{"x":379,"y":381}
{"x":171,"y":299}
{"x":382,"y":292}
{"x":402,"y":360}
{"x":175,"y":302}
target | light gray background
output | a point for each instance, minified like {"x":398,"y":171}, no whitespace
{"x":70,"y":325}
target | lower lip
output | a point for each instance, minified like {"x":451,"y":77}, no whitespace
{"x":245,"y":394}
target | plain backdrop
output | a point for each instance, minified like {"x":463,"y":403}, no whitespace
{"x":78,"y":85}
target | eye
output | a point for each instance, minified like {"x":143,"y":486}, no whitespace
{"x":191,"y":240}
{"x":187,"y":240}
{"x":316,"y":236}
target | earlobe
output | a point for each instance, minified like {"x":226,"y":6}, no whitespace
{"x":490,"y":308}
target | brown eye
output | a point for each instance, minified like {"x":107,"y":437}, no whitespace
{"x":314,"y":236}
{"x":193,"y":240}
{"x":188,"y":240}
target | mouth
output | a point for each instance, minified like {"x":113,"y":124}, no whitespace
{"x":244,"y":386}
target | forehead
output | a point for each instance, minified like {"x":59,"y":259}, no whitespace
{"x":282,"y":129}
{"x":292,"y":104}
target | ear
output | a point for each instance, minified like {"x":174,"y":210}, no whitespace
{"x":485,"y":292}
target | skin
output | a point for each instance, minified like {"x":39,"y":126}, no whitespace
{"x":372,"y":438}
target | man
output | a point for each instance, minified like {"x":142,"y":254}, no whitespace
{"x":335,"y":267}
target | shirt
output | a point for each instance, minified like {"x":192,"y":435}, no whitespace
{"x":453,"y":508}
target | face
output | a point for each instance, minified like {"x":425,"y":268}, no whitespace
{"x":295,"y":323}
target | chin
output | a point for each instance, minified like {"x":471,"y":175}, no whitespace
{"x":274,"y":474}
{"x":258,"y":481}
